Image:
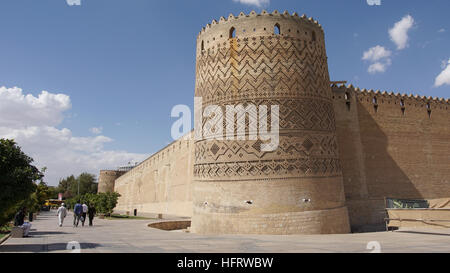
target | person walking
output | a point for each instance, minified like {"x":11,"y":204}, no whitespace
{"x":91,"y":214}
{"x":83,"y":215}
{"x":62,"y":213}
{"x":77,"y":211}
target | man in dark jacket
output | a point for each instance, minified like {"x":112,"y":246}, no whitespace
{"x":77,"y":211}
{"x":91,"y":213}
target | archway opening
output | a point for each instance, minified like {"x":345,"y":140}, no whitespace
{"x":277,"y":29}
{"x":232,"y":33}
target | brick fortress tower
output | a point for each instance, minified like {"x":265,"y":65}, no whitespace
{"x":268,"y":59}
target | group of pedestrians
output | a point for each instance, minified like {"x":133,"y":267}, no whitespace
{"x":80,"y":212}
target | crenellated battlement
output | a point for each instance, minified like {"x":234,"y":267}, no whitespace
{"x":379,"y":97}
{"x":218,"y":33}
{"x":285,"y":14}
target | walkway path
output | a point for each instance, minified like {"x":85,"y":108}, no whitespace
{"x":124,"y":236}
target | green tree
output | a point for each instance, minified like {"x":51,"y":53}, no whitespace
{"x":104,"y":203}
{"x":111,"y":201}
{"x":85,"y":181}
{"x":53,"y":192}
{"x":42,"y":193}
{"x":17,"y":177}
{"x":65,"y":186}
{"x":31,"y":203}
{"x":37,"y":199}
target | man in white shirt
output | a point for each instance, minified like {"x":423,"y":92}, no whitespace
{"x":62,"y":213}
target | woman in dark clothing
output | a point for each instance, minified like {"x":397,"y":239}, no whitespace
{"x":19,"y":218}
{"x":91,"y":213}
{"x":19,"y":221}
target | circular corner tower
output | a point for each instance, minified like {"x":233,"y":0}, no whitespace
{"x":266,"y":60}
{"x":107,"y":180}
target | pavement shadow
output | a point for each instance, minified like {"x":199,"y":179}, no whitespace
{"x":423,"y":233}
{"x":39,"y":248}
{"x":40,"y":233}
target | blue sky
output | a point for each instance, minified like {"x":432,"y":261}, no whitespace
{"x":121,"y":65}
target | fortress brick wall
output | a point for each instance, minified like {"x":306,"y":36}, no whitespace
{"x":384,"y":153}
{"x":161,"y":184}
{"x":342,"y":150}
{"x":391,"y":145}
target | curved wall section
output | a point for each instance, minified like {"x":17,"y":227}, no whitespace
{"x":107,"y":179}
{"x":266,"y":60}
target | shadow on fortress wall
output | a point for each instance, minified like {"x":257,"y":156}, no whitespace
{"x":384,"y":178}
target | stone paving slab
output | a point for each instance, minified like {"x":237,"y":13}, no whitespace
{"x":133,"y":236}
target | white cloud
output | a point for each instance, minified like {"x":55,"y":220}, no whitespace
{"x":31,"y":121}
{"x":379,"y":58}
{"x":17,"y":109}
{"x":258,"y":3}
{"x":376,"y":53}
{"x":444,"y":77}
{"x":399,"y":33}
{"x":96,"y":130}
{"x":379,"y":67}
{"x":442,"y":30}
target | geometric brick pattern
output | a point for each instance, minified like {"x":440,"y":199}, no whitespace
{"x":300,"y":167}
{"x":269,"y":70}
{"x":277,"y":66}
{"x":241,"y":61}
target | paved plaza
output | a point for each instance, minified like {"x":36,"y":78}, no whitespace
{"x":133,"y":236}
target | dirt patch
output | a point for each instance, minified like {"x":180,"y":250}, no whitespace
{"x":171,"y":225}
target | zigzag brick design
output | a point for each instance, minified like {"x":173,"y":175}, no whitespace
{"x":292,"y":69}
{"x":259,"y":170}
{"x":305,"y":146}
{"x":242,"y":61}
{"x":282,"y":71}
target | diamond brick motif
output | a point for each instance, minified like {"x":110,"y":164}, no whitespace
{"x":307,"y":144}
{"x":215,"y":149}
{"x":257,"y":145}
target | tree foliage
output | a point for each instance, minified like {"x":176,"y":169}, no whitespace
{"x":53,"y":192}
{"x":37,"y":199}
{"x":107,"y":202}
{"x":17,"y":177}
{"x":69,"y":185}
{"x":104,"y":203}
